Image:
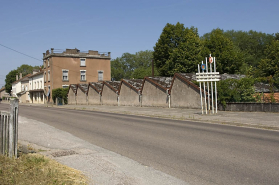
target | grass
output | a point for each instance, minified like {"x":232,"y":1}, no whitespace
{"x":37,"y":169}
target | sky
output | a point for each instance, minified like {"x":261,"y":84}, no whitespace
{"x":31,"y":27}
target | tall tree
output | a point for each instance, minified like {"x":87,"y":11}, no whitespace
{"x":10,"y":78}
{"x":26,"y":69}
{"x":177,"y":50}
{"x":251,"y":43}
{"x":129,"y":65}
{"x":270,"y":64}
{"x":228,"y":57}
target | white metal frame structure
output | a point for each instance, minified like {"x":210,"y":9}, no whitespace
{"x":208,"y":77}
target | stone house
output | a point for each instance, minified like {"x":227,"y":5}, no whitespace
{"x":72,"y":66}
{"x":184,"y":93}
{"x":94,"y":93}
{"x":110,"y":92}
{"x":130,"y":92}
{"x":72,"y":94}
{"x":81,"y":94}
{"x":155,"y":91}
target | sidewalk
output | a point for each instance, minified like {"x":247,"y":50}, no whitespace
{"x":99,"y":165}
{"x":261,"y":120}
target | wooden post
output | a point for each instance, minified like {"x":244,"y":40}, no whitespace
{"x":13,"y":128}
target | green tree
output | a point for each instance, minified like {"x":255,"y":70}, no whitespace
{"x":252,"y":44}
{"x":177,"y":50}
{"x":26,"y":69}
{"x":270,"y":64}
{"x":60,"y":93}
{"x":229,"y":58}
{"x":129,"y":66}
{"x":233,"y":90}
{"x":10,"y":78}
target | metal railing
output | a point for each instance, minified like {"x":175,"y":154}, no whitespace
{"x":9,"y":130}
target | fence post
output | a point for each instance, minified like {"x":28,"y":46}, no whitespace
{"x":13,"y":128}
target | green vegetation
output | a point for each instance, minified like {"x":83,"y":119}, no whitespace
{"x":37,"y":169}
{"x":178,"y":50}
{"x":60,"y":93}
{"x":130,"y":66}
{"x":233,"y":90}
{"x":11,"y":76}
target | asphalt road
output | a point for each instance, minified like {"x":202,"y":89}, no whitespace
{"x":198,"y":153}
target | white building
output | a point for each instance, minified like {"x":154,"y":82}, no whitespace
{"x":20,"y":88}
{"x":36,"y":88}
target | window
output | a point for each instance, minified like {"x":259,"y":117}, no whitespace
{"x":48,"y":62}
{"x":45,"y":76}
{"x":48,"y":76}
{"x":100,"y":75}
{"x":65,"y":86}
{"x":41,"y":84}
{"x":35,"y":86}
{"x":82,"y":75}
{"x":82,"y":62}
{"x":65,"y":74}
{"x":22,"y":87}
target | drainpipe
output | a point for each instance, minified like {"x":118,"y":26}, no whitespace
{"x":117,"y":98}
{"x":100,"y":98}
{"x":140,"y":98}
{"x":168,"y":97}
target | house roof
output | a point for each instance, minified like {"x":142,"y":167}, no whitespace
{"x":259,"y":86}
{"x":23,"y":78}
{"x":32,"y":75}
{"x":163,"y":82}
{"x":2,"y":89}
{"x":73,"y":87}
{"x":113,"y":85}
{"x":96,"y":85}
{"x":83,"y":87}
{"x":182,"y":77}
{"x":135,"y":84}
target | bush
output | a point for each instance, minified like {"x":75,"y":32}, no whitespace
{"x":60,"y":93}
{"x":233,"y":90}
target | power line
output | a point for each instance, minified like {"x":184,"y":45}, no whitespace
{"x":20,"y":52}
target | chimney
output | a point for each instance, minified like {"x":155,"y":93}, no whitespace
{"x":44,"y":54}
{"x":16,"y":77}
{"x":20,"y":75}
{"x":51,"y":50}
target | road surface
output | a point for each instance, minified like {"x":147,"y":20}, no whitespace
{"x":198,"y":153}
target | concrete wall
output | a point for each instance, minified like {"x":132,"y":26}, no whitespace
{"x":250,"y":107}
{"x":153,"y":96}
{"x":94,"y":97}
{"x":109,"y":97}
{"x":81,"y":97}
{"x":128,"y":96}
{"x":183,"y":95}
{"x":71,"y":97}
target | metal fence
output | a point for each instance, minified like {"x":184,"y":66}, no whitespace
{"x":9,"y":130}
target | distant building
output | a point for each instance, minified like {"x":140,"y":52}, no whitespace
{"x":3,"y":93}
{"x":62,"y":68}
{"x":20,"y":88}
{"x":36,"y":87}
